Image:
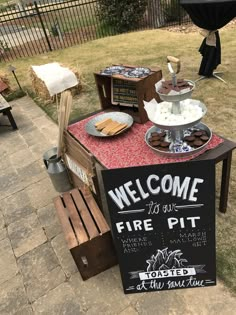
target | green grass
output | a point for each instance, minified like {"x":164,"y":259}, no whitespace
{"x":150,"y":48}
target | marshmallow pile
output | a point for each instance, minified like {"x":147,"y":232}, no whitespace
{"x":190,"y":111}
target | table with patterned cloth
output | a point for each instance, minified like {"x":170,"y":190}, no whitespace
{"x":129,"y":149}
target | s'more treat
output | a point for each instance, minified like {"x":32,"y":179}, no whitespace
{"x":113,"y":124}
{"x":117,"y":129}
{"x":102,"y":124}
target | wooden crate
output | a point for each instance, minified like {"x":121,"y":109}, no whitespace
{"x":143,"y":88}
{"x":86,"y":231}
{"x":80,"y":164}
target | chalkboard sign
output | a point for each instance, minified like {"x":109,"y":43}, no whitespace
{"x":163,"y":225}
{"x":124,"y":92}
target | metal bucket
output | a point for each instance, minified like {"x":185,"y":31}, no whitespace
{"x":56,"y":170}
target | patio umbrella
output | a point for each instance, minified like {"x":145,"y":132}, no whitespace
{"x":210,"y":15}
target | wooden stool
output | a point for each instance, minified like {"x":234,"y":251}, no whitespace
{"x":86,"y":231}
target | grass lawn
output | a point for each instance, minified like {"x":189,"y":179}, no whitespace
{"x":150,"y":48}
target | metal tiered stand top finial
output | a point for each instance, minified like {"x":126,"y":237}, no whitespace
{"x":175,"y":134}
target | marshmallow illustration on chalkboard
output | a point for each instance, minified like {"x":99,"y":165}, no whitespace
{"x":166,"y":259}
{"x":167,"y":263}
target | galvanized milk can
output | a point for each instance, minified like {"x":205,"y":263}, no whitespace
{"x":57,"y":171}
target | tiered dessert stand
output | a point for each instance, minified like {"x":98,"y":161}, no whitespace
{"x":176,"y":134}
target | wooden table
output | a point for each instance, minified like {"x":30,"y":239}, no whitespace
{"x":75,"y":143}
{"x":5,"y":108}
{"x":222,"y":153}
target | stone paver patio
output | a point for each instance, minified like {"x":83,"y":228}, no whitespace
{"x":37,"y":272}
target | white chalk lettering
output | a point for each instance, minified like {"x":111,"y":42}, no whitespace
{"x":119,"y":197}
{"x":144,"y":194}
{"x":136,"y":225}
{"x":132,"y":193}
{"x":135,"y":191}
{"x":180,"y":190}
{"x":194,"y":189}
{"x":181,"y":222}
{"x":167,"y":184}
{"x":180,"y":272}
{"x":154,"y":191}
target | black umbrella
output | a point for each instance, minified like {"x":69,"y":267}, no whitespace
{"x":210,"y":15}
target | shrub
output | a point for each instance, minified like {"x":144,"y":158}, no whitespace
{"x":122,"y":15}
{"x":172,"y":10}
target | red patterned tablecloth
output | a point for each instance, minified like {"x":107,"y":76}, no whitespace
{"x":128,"y":149}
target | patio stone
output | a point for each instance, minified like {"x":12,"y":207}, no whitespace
{"x":8,"y":267}
{"x":41,"y":193}
{"x":21,"y":158}
{"x":49,"y":129}
{"x":100,"y":294}
{"x":26,"y":127}
{"x":40,"y":147}
{"x":10,"y":183}
{"x":33,"y":113}
{"x":41,"y":271}
{"x":3,"y":233}
{"x":45,"y":122}
{"x":61,"y":300}
{"x":33,"y":137}
{"x":26,"y":234}
{"x":64,"y":256}
{"x":49,"y":221}
{"x":32,"y":173}
{"x":25,"y":310}
{"x":4,"y":160}
{"x":16,"y":207}
{"x":2,"y":221}
{"x":14,"y":144}
{"x":165,"y":302}
{"x":8,"y":177}
{"x":13,"y":297}
{"x":129,"y":311}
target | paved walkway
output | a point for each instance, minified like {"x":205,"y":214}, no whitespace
{"x":37,"y":272}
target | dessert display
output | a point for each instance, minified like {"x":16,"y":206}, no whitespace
{"x":177,"y":129}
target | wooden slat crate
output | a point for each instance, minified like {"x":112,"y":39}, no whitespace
{"x":80,"y":164}
{"x":86,"y":232}
{"x":144,"y":89}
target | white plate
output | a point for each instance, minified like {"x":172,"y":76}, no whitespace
{"x":120,"y":117}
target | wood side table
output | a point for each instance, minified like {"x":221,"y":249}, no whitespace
{"x":5,"y":108}
{"x":222,"y":153}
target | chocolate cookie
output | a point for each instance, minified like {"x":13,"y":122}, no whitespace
{"x":198,"y":133}
{"x":198,"y":143}
{"x":189,"y":138}
{"x":155,"y":137}
{"x":165,"y":144}
{"x":204,"y":138}
{"x":155,"y":143}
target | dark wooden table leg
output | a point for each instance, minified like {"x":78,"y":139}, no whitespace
{"x":225,"y":182}
{"x":11,"y":119}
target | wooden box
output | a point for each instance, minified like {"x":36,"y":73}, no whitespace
{"x":80,"y":163}
{"x":86,"y":231}
{"x":133,"y":91}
